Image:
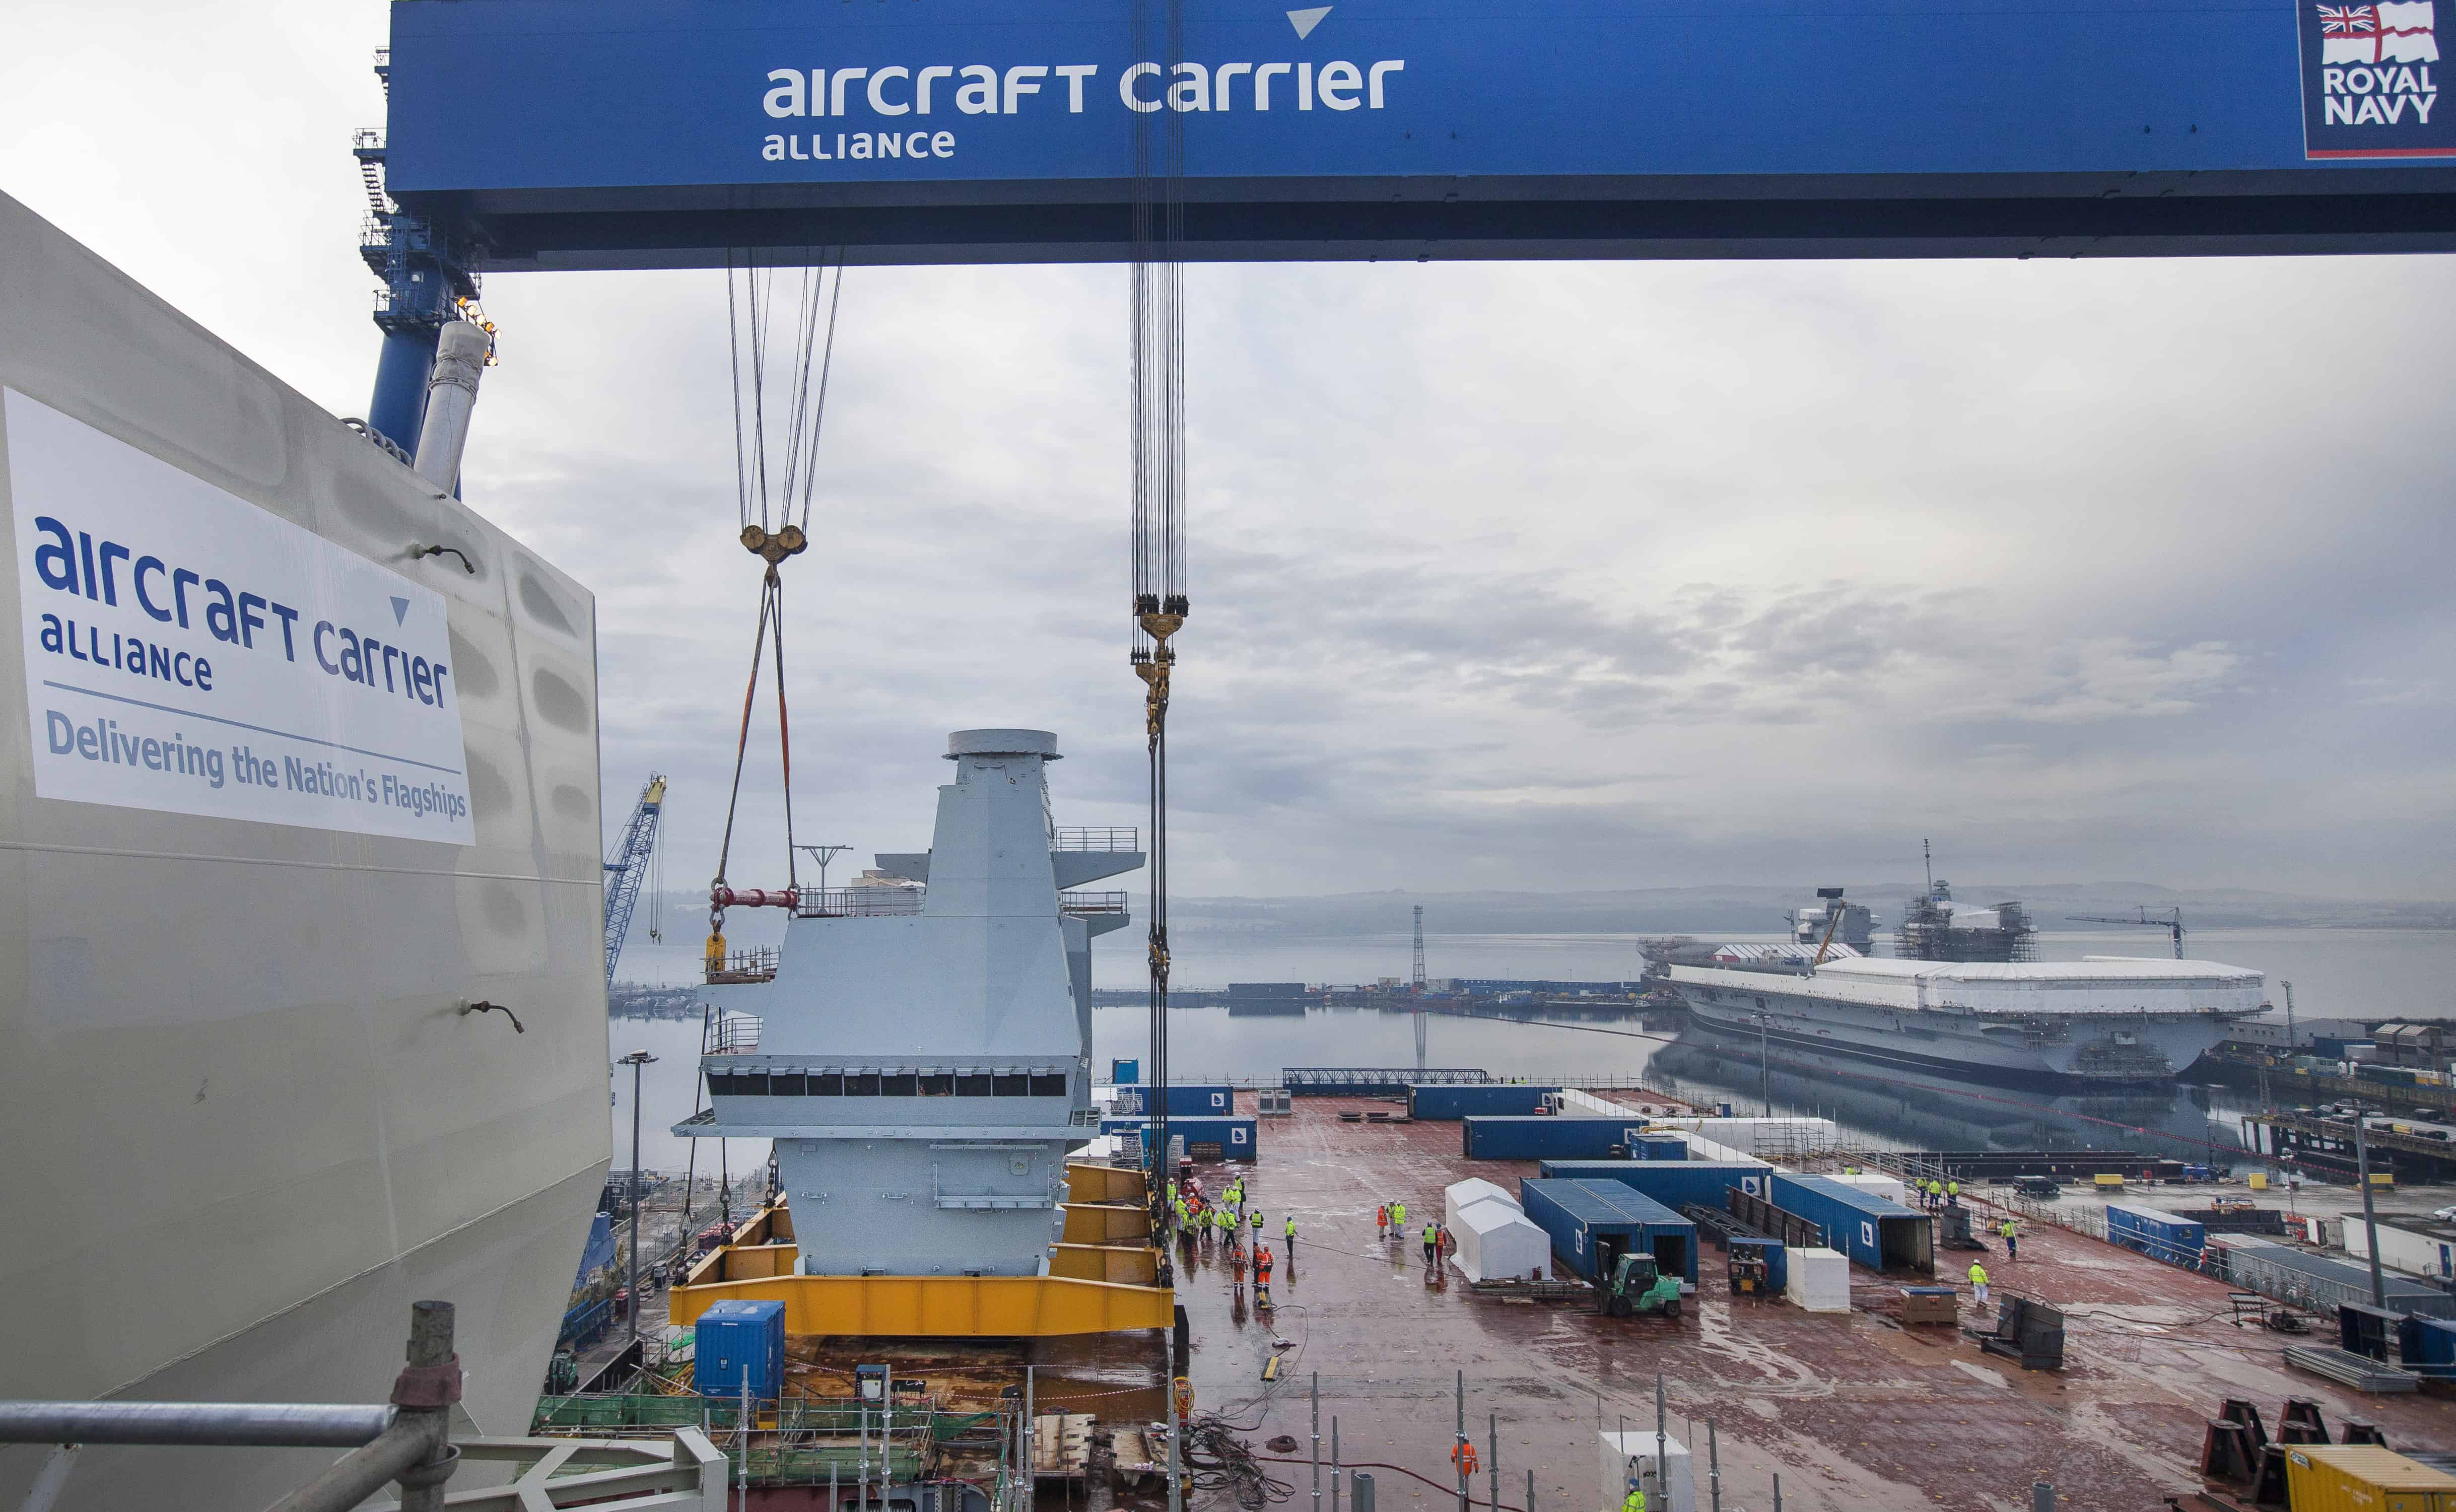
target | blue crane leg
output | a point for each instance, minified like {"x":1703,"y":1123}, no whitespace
{"x":399,"y":407}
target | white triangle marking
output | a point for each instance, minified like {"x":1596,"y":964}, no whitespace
{"x":1304,"y":21}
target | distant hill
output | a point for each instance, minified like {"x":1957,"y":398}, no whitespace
{"x":1688,"y":910}
{"x":1760,"y":910}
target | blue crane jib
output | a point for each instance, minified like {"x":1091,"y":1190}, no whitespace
{"x":661,"y":132}
{"x":626,"y":869}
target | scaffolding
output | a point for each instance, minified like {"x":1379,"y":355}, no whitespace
{"x":1928,"y":932}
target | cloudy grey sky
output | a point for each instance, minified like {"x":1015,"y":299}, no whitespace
{"x":1512,"y":576}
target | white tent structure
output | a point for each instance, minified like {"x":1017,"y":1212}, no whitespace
{"x":1460,"y":1196}
{"x":1496,"y":1242}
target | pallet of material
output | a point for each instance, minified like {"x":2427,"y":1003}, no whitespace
{"x":1551,"y":1291}
{"x":2346,"y":1368}
{"x":1061,"y":1445}
{"x":1931,"y":1304}
{"x":1137,"y":1460}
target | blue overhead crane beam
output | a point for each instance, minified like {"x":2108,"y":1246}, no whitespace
{"x":629,"y":134}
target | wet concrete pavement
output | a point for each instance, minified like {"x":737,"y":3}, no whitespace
{"x":1852,"y":1411}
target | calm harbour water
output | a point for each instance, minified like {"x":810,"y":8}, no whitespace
{"x":2335,"y":973}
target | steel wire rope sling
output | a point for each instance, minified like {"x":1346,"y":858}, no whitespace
{"x":775,"y":480}
{"x":1157,"y":378}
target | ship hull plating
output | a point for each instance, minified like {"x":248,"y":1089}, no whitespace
{"x":2144,"y":1049}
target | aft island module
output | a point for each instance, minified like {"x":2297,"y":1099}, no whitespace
{"x":921,"y":1058}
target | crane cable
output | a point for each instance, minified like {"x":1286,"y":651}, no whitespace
{"x":1158,"y":486}
{"x":780,"y":492}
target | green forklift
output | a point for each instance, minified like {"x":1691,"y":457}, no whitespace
{"x":1634,"y":1284}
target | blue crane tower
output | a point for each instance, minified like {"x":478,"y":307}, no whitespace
{"x":428,"y":281}
{"x":627,"y":867}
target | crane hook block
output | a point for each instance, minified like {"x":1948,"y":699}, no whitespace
{"x":773,"y":548}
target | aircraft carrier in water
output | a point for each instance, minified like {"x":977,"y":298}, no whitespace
{"x":2102,"y":1021}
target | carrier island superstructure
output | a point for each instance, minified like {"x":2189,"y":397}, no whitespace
{"x":921,"y":1059}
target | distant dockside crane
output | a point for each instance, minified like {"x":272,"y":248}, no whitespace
{"x":2173,"y":926}
{"x":627,"y":867}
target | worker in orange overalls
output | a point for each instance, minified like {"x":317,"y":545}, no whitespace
{"x":1261,"y":1276}
{"x":1382,"y":1222}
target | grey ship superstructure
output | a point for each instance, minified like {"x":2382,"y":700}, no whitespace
{"x":921,"y":1057}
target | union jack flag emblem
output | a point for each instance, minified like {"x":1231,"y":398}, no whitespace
{"x":2382,"y":32}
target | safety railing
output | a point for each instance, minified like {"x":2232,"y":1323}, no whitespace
{"x":1091,"y":837}
{"x":1078,"y":903}
{"x":407,"y":1443}
{"x":732,"y":1034}
{"x":744,"y":965}
{"x":858,"y":903}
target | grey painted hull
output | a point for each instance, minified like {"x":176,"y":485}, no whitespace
{"x":2163,"y":1044}
{"x":246,"y":1122}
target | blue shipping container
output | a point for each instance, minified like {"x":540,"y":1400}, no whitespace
{"x":1592,"y":1221}
{"x":1675,"y":1184}
{"x":1124,"y":1071}
{"x":1875,"y":1232}
{"x":736,"y":1341}
{"x":1185,"y":1099}
{"x":1659,"y":1147}
{"x":2160,"y":1236}
{"x":1233,"y":1137}
{"x":2428,"y":1346}
{"x":1444,"y":1102}
{"x":1546,"y":1139}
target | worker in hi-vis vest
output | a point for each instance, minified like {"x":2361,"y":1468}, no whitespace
{"x":1978,"y":1285}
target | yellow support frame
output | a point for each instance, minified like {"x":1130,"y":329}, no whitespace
{"x":1106,"y":1223}
{"x":1091,"y":1183}
{"x":941,"y":1306}
{"x":1126,"y":1264}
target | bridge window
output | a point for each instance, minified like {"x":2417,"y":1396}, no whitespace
{"x":1048,"y":1084}
{"x":861,"y":1084}
{"x":973,"y":1084}
{"x":939,"y":1086}
{"x":1013,"y":1087}
{"x":902,"y":1084}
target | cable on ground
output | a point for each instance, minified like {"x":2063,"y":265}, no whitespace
{"x":1222,"y":1462}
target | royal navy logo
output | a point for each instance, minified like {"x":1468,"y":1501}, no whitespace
{"x":2370,"y":81}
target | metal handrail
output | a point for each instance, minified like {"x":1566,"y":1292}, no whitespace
{"x":858,"y":903}
{"x":408,"y":1443}
{"x":257,"y":1424}
{"x":1081,"y":903}
{"x":1095,"y":837}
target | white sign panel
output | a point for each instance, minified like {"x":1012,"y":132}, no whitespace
{"x":189,"y":652}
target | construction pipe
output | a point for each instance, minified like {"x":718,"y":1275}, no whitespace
{"x":451,"y":396}
{"x":754,"y":898}
{"x":290,"y":1425}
